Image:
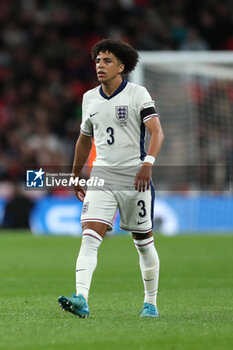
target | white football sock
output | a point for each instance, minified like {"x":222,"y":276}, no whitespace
{"x":87,"y":261}
{"x":149,"y":265}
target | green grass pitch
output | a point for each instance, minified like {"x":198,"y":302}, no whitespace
{"x":195,"y":295}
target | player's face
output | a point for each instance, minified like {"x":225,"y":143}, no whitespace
{"x":108,"y":67}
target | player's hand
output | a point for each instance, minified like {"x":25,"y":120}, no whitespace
{"x":79,"y":192}
{"x":142,"y":178}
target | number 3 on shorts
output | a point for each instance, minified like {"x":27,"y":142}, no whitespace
{"x":142,"y":206}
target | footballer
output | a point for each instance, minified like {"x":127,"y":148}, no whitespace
{"x":116,"y":114}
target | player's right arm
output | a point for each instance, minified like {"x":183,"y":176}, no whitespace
{"x":83,"y":145}
{"x":82,"y":150}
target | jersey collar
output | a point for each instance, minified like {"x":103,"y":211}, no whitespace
{"x":118,"y":90}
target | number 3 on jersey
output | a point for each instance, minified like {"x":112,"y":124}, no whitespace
{"x":111,"y":139}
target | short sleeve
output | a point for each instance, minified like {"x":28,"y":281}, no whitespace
{"x":86,"y":125}
{"x":145,"y":105}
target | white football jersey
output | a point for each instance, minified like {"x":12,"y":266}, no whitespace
{"x":117,"y":123}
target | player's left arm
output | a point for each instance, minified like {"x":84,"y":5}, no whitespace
{"x":142,"y":179}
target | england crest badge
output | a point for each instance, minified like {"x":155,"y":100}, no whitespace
{"x":122,"y":114}
{"x":85,"y":208}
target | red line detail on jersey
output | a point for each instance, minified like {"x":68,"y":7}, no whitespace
{"x":150,"y":116}
{"x":95,"y":219}
{"x":134,"y":230}
{"x":86,"y":133}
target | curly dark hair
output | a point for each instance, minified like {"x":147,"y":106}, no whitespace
{"x":124,"y":52}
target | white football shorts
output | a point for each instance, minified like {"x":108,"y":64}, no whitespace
{"x":135,"y":208}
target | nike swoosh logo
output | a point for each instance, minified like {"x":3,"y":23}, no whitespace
{"x":149,"y":280}
{"x":92,"y":115}
{"x":142,"y":222}
{"x":80,"y":270}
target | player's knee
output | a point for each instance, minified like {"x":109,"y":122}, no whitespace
{"x":98,"y":227}
{"x":141,"y":236}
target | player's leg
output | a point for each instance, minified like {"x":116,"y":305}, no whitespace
{"x":93,"y":233}
{"x":135,"y":211}
{"x":149,"y":266}
{"x":97,"y":216}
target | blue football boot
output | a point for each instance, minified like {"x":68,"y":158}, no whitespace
{"x":149,"y":311}
{"x":76,"y":304}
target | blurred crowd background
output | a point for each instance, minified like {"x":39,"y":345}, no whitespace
{"x":45,"y":64}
